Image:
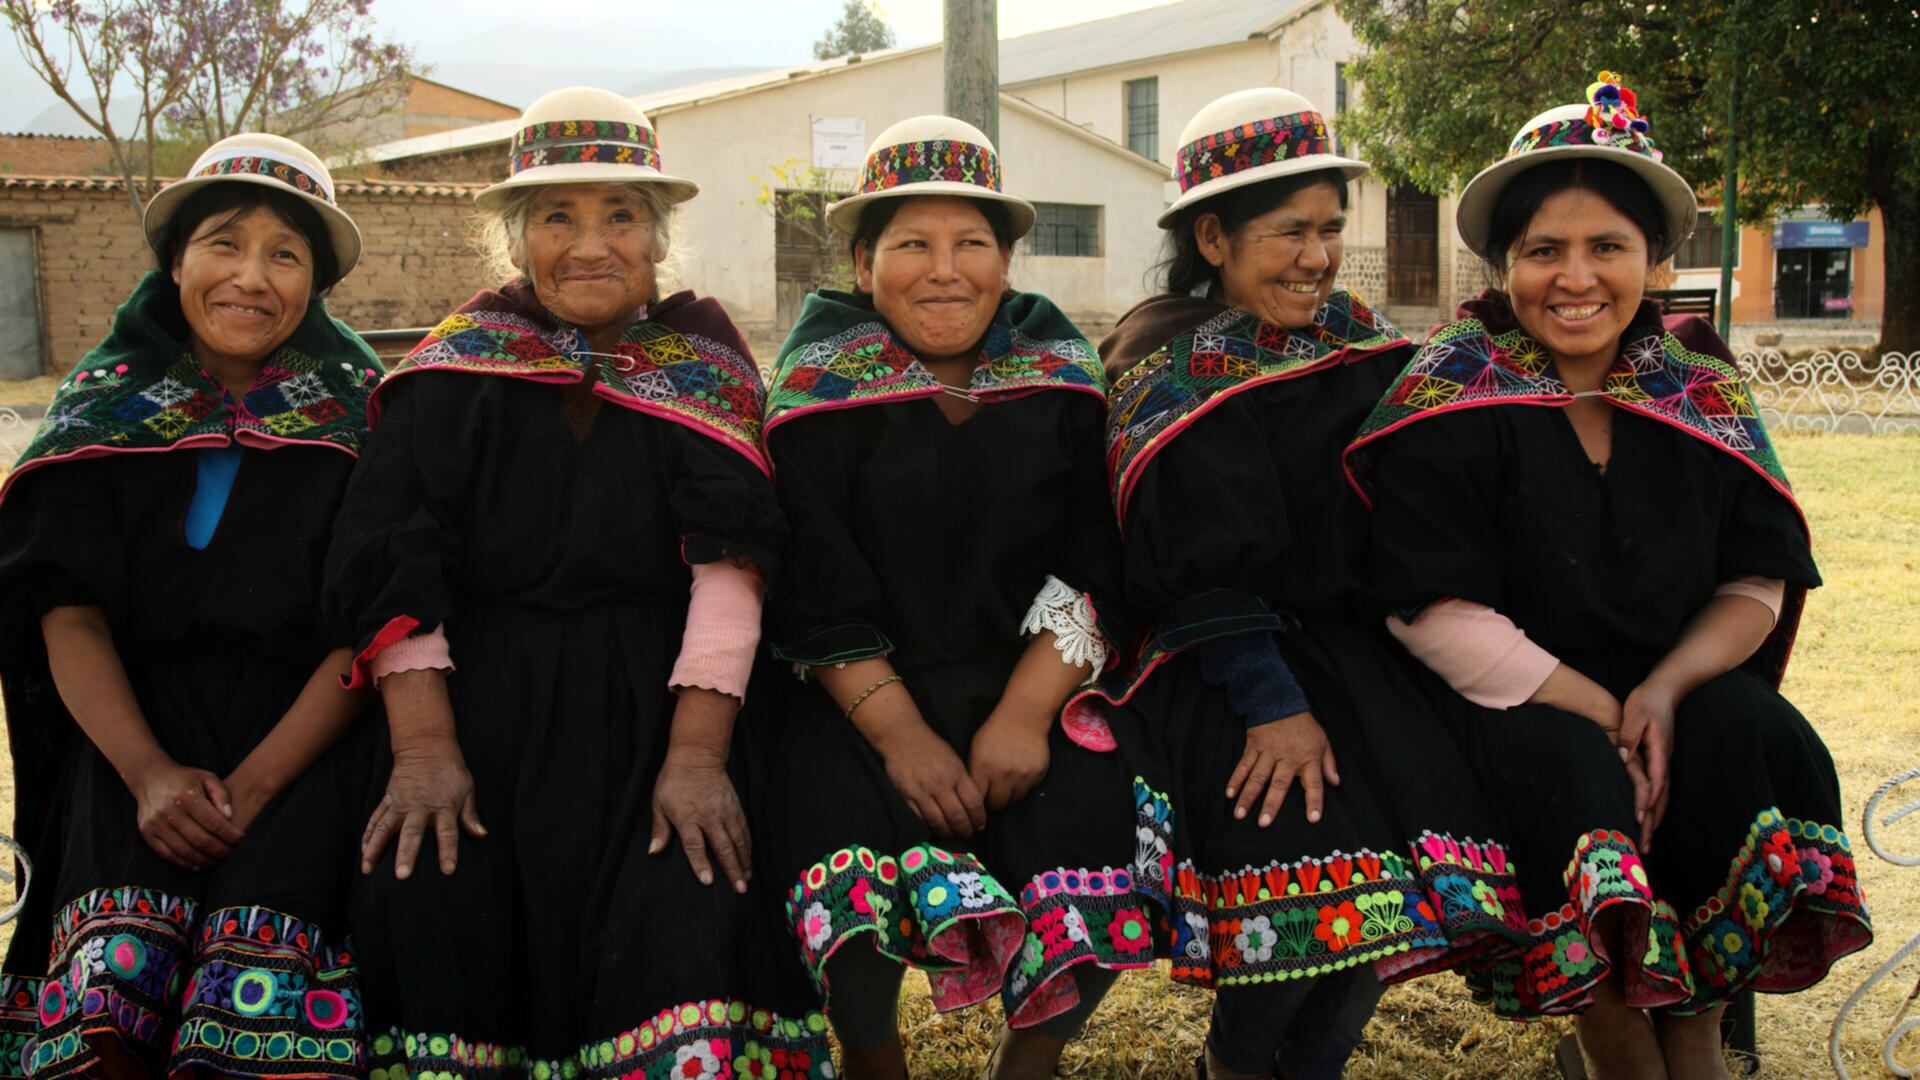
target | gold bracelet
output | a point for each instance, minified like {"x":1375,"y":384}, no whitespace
{"x":868,"y":692}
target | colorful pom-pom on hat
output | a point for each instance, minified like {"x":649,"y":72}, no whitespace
{"x":1607,"y":126}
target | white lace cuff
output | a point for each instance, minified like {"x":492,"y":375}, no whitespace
{"x":1069,"y":614}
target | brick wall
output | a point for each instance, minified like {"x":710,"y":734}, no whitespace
{"x":433,"y":107}
{"x":480,"y":165}
{"x":53,"y":155}
{"x":417,"y":263}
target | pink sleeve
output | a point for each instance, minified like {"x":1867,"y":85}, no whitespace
{"x":1479,"y":651}
{"x":723,"y":629}
{"x":1769,"y":591}
{"x":428,"y":650}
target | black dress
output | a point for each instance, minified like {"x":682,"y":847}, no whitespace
{"x":559,"y":568}
{"x":927,"y":541}
{"x":1239,"y":522}
{"x":243,"y":969}
{"x":1749,"y":881}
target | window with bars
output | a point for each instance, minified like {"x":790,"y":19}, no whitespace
{"x":1702,"y":249}
{"x":1143,"y":117}
{"x":1064,"y":229}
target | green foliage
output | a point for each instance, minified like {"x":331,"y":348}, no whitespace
{"x":796,"y":195}
{"x":860,"y":30}
{"x":1829,"y":107}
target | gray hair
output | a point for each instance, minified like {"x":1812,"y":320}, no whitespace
{"x":500,"y":233}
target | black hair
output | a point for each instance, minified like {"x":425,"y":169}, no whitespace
{"x":230,"y":201}
{"x":879,"y":214}
{"x":1183,"y":268}
{"x":1621,"y":187}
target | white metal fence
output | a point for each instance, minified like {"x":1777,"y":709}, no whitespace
{"x":14,"y":433}
{"x":1835,"y":391}
{"x":1902,"y":1023}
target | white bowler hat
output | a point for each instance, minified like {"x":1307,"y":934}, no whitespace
{"x":269,"y":160}
{"x":929,"y":155}
{"x":1250,"y":136}
{"x":1607,"y":127}
{"x":581,"y":135}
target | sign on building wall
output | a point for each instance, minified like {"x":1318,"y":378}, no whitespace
{"x":839,"y":142}
{"x":1788,"y":235}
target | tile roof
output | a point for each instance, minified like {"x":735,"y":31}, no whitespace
{"x":343,"y":187}
{"x":1140,"y":35}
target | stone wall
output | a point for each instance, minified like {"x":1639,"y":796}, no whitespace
{"x":1363,"y":269}
{"x":1470,"y":276}
{"x":416,"y":265}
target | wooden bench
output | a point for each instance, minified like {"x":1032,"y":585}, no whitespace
{"x":1686,"y":301}
{"x":390,"y":345}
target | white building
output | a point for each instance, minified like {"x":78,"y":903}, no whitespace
{"x":1138,"y":78}
{"x":731,"y":136}
{"x":1089,"y":115}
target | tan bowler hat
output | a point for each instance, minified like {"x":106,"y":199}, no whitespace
{"x":929,"y":155}
{"x":1607,"y":127}
{"x":581,"y":135}
{"x":1250,"y":136}
{"x":259,"y":158}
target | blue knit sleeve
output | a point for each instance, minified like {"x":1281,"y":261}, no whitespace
{"x":1249,"y":669}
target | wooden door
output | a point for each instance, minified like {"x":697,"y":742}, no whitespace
{"x":1413,"y":248}
{"x":806,"y":254}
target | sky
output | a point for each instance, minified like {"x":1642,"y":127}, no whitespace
{"x":640,"y":38}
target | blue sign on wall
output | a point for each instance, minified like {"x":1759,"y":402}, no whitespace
{"x":1819,"y":234}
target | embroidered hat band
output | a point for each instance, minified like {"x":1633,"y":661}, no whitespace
{"x":952,"y":160}
{"x":253,"y":161}
{"x":1249,"y":146}
{"x":568,"y":142}
{"x":1249,"y":137}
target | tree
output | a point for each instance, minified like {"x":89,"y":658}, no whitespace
{"x":797,"y":195}
{"x":858,"y":31}
{"x":200,"y":70}
{"x":1828,"y":109}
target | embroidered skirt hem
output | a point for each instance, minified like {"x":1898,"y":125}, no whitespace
{"x":698,"y":1038}
{"x":930,"y":908}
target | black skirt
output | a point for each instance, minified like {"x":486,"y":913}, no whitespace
{"x":927,"y":541}
{"x":1243,"y":524}
{"x":1390,"y":876}
{"x":1749,"y":882}
{"x":243,"y":969}
{"x":559,"y":567}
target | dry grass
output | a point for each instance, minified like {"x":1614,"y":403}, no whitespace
{"x":1854,"y":675}
{"x":35,"y":391}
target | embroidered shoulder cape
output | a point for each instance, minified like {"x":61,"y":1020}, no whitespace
{"x":1198,"y":355}
{"x":1673,"y":369}
{"x":1226,"y":353}
{"x":841,"y":354}
{"x":684,"y":361}
{"x":141,"y":391}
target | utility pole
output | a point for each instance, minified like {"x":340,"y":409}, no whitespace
{"x":1729,"y":196}
{"x":972,"y":59}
